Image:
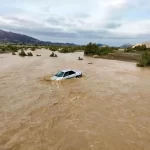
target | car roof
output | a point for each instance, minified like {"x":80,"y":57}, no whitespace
{"x":66,"y":70}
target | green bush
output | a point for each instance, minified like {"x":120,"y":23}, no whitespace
{"x":70,"y":49}
{"x":129,"y":49}
{"x":91,"y":49}
{"x":54,"y":48}
{"x":67,"y":50}
{"x":9,"y":48}
{"x":145,"y":60}
{"x":94,"y":49}
{"x":140,"y":47}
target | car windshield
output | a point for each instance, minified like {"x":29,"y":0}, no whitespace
{"x":59,"y":74}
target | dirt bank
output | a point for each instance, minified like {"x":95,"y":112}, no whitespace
{"x":129,"y":57}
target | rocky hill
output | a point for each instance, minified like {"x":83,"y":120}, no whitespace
{"x":126,"y":46}
{"x":10,"y":37}
{"x":16,"y":38}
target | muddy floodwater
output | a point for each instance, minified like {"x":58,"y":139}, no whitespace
{"x":107,"y":109}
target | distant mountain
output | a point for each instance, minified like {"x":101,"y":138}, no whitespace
{"x":126,"y":46}
{"x":101,"y":45}
{"x":10,"y":37}
{"x":16,"y":38}
{"x":55,"y":43}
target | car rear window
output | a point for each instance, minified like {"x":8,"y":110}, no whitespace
{"x":59,"y":74}
{"x":71,"y":72}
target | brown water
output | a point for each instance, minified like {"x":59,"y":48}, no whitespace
{"x":107,"y":109}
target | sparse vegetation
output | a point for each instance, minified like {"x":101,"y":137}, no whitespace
{"x":33,"y":48}
{"x":53,"y":48}
{"x":8,"y":48}
{"x":70,"y":49}
{"x":92,"y":49}
{"x":67,"y":50}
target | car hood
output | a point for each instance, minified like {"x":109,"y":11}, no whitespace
{"x":56,"y":78}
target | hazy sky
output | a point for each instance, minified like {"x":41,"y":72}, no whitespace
{"x":112,"y":22}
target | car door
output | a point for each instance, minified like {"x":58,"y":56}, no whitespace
{"x":66,"y":75}
{"x":72,"y":74}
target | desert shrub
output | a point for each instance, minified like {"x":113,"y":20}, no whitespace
{"x":13,"y":53}
{"x":129,"y":49}
{"x":79,"y":58}
{"x":3,"y":49}
{"x":53,"y":55}
{"x":22,"y":53}
{"x":33,"y":48}
{"x":29,"y":54}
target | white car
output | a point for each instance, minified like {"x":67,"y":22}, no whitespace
{"x":67,"y":74}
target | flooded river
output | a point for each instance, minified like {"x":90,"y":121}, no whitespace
{"x":107,"y":109}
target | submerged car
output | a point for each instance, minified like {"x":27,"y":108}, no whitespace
{"x":67,"y":74}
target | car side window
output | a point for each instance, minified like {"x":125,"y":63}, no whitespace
{"x":66,"y":74}
{"x":71,"y":72}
